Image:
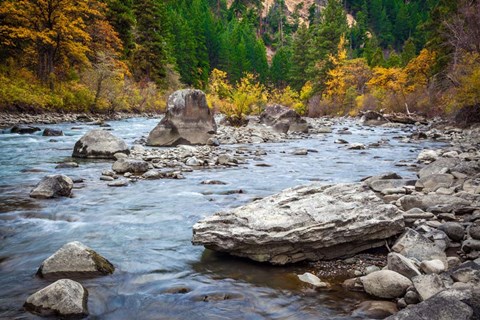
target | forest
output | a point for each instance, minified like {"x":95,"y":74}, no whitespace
{"x":126,"y":55}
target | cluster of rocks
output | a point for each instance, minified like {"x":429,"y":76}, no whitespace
{"x":66,"y":298}
{"x":432,"y":269}
{"x":8,"y":120}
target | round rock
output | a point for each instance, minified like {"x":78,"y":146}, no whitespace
{"x":99,"y":144}
{"x":386,"y":284}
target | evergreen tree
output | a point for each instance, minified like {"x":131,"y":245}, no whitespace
{"x":121,"y":17}
{"x":281,"y":66}
{"x":300,"y":60}
{"x":152,"y":53}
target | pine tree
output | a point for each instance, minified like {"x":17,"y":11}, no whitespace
{"x":280,"y":68}
{"x":121,"y":17}
{"x":152,"y":54}
{"x":300,"y":61}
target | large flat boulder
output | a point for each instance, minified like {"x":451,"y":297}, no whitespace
{"x":304,"y":223}
{"x":188,"y":120}
{"x":99,"y":144}
{"x":283,"y":119}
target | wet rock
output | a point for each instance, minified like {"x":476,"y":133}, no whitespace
{"x":99,"y":144}
{"x":53,"y":186}
{"x":341,"y":141}
{"x":119,"y":183}
{"x":432,"y":266}
{"x":283,"y":119}
{"x":386,"y":284}
{"x":454,"y":230}
{"x":75,"y":259}
{"x":303,"y":223}
{"x":372,"y":118}
{"x":188,"y":120}
{"x":354,"y":284}
{"x":312,"y":279}
{"x":130,"y":165}
{"x":402,"y":265}
{"x":106,"y":178}
{"x":214,"y":182}
{"x":434,"y":182}
{"x":66,"y":165}
{"x":371,"y":269}
{"x":375,"y":309}
{"x":356,"y":146}
{"x":428,"y":285}
{"x":64,"y":298}
{"x":413,"y":245}
{"x":300,"y":152}
{"x":49,"y":132}
{"x":21,"y":129}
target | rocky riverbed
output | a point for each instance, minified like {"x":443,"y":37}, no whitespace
{"x":144,"y":229}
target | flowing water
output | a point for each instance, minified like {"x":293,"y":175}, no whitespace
{"x":145,"y":229}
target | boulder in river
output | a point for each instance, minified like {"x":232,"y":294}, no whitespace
{"x":188,"y":120}
{"x":65,"y":299}
{"x":75,"y":259}
{"x":304,"y":223}
{"x":53,"y":186}
{"x":21,"y":129}
{"x":99,"y":144}
{"x":49,"y":132}
{"x":130,"y":165}
{"x":283,"y":119}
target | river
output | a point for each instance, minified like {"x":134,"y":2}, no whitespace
{"x":145,"y":229}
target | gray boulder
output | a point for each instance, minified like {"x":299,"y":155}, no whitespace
{"x":404,"y":266}
{"x":99,"y":144}
{"x":130,"y":165}
{"x":413,"y":245}
{"x":53,"y":186}
{"x":428,"y":285}
{"x":454,"y":230}
{"x":434,"y":182}
{"x":385,"y":284}
{"x":49,"y":132}
{"x":64,"y":299}
{"x":439,"y":307}
{"x":383,"y":184}
{"x":283,"y":119}
{"x":426,"y":202}
{"x":75,"y":259}
{"x":188,"y":120}
{"x":22,"y":129}
{"x":438,"y":166}
{"x":303,"y":223}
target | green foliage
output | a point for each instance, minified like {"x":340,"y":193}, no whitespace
{"x":152,"y":53}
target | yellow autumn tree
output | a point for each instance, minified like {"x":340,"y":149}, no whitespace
{"x":389,"y":86}
{"x":53,"y":32}
{"x":419,"y":69}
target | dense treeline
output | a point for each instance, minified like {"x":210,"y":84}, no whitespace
{"x":107,"y":55}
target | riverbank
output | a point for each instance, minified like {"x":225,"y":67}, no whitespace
{"x":10,"y":119}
